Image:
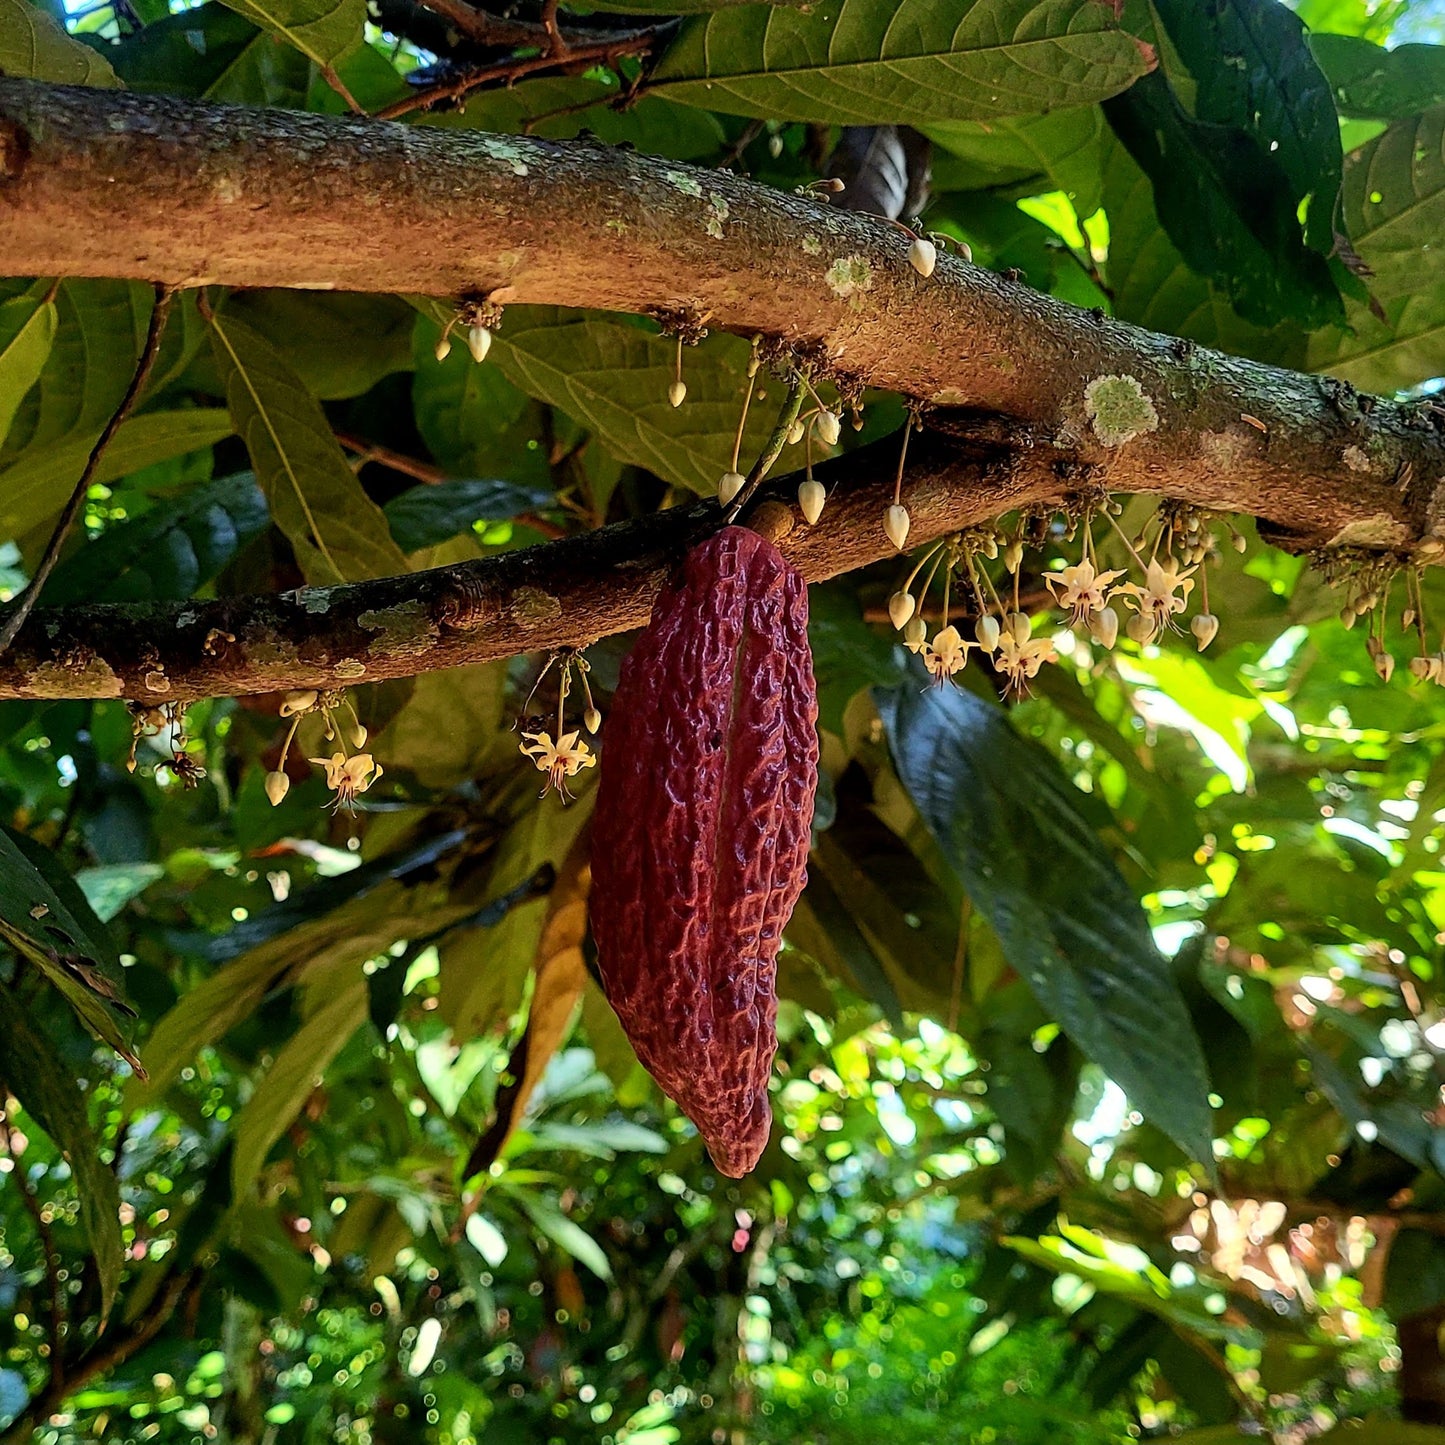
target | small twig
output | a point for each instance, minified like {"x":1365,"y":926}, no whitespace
{"x":792,"y":405}
{"x":734,"y":153}
{"x":25,"y":604}
{"x":575,"y":56}
{"x":556,"y":45}
{"x":47,"y":1244}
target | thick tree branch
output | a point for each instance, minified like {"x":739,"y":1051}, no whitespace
{"x":114,"y":184}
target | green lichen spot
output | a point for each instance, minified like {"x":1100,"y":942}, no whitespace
{"x":406,"y":622}
{"x":508,"y":151}
{"x":349,"y":667}
{"x":812,"y":246}
{"x":719,"y":209}
{"x":92,"y":677}
{"x":848,"y":278}
{"x":534,"y":604}
{"x":687,"y":184}
{"x":1118,"y":409}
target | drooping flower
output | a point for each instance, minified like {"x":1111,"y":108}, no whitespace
{"x":560,"y":760}
{"x":1082,"y":590}
{"x":946,"y":654}
{"x":346,"y":777}
{"x":1163,"y":596}
{"x":1019,"y":659}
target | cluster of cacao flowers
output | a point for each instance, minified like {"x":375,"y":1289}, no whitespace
{"x":562,"y":754}
{"x":1084,"y":591}
{"x":149,"y":722}
{"x":347,"y":774}
{"x":1369,"y":598}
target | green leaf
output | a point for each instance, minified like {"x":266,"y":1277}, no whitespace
{"x":1066,"y":147}
{"x":1253,"y":71}
{"x":27,"y":332}
{"x":565,"y":1234}
{"x":426,"y":515}
{"x":168,"y":552}
{"x":1394,"y":204}
{"x":292,"y":1078}
{"x":45,"y":916}
{"x":612,"y":377}
{"x":36,"y":485}
{"x":39,"y":1078}
{"x":1009,"y":823}
{"x":322,"y":30}
{"x":337,"y":532}
{"x":868,"y":62}
{"x":34,"y":46}
{"x":110,"y":887}
{"x":1225,"y":201}
{"x":1371,"y":82}
{"x":185,"y":54}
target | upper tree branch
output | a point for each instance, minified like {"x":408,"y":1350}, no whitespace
{"x":106,"y":183}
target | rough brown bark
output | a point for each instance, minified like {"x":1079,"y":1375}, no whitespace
{"x":114,"y":184}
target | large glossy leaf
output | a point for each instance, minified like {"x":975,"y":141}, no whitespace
{"x":1225,"y":201}
{"x":291,"y":1078}
{"x":862,"y":62}
{"x":185,"y":54}
{"x":1006,"y":819}
{"x":27,"y":332}
{"x":1395,"y":205}
{"x":322,"y":30}
{"x":167,"y":552}
{"x":34,"y":46}
{"x":337,"y":532}
{"x":45,"y":917}
{"x":1254,"y":71}
{"x":33,"y":1071}
{"x":612,"y":377}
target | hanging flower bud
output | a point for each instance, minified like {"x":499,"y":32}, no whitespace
{"x":1204,"y":625}
{"x":479,"y":342}
{"x":900,"y":609}
{"x":1407,"y":617}
{"x":730,"y":485}
{"x":677,"y":393}
{"x":990,"y":548}
{"x":915,"y":634}
{"x":1385,"y":666}
{"x":1013,"y":555}
{"x":443,"y":348}
{"x":1348,"y":615}
{"x":986,"y":629}
{"x":1141,"y":628}
{"x":592,"y":719}
{"x":923,"y":256}
{"x":1420,"y":667}
{"x":1238,"y":540}
{"x":811,"y":497}
{"x":830,"y":425}
{"x":1104,"y":625}
{"x":895,"y":524}
{"x":277,"y":786}
{"x":358,"y":736}
{"x":795,"y":433}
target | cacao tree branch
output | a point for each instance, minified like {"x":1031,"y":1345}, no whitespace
{"x":1043,"y":399}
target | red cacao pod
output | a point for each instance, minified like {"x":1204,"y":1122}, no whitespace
{"x":700,"y":838}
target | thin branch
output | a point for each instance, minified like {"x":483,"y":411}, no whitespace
{"x":25,"y":604}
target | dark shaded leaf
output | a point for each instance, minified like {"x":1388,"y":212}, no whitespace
{"x":1006,"y":819}
{"x":1373,"y":83}
{"x":426,"y":515}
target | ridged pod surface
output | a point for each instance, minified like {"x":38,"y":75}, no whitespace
{"x":700,"y":837}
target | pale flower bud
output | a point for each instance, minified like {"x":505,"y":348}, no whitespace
{"x":900,"y":609}
{"x":1385,"y":666}
{"x":964,"y":250}
{"x":795,"y":433}
{"x":915,"y":634}
{"x":1104,"y":624}
{"x":1420,"y":668}
{"x":298,"y":700}
{"x":730,"y":485}
{"x":677,"y":393}
{"x":592,"y":719}
{"x":443,"y":348}
{"x":830,"y":425}
{"x":895,"y":524}
{"x":358,"y":736}
{"x":277,"y":786}
{"x":1140,"y":628}
{"x":1013,"y":555}
{"x":923,"y":256}
{"x":479,"y":342}
{"x":1019,"y":626}
{"x":986,"y":629}
{"x":811,"y":497}
{"x":1348,"y":615}
{"x":1204,"y":625}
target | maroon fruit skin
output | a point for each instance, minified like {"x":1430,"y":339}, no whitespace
{"x":700,"y":837}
